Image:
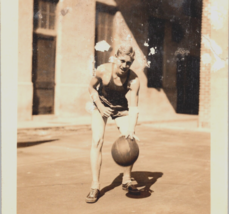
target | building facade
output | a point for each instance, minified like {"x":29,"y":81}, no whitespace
{"x":57,"y":55}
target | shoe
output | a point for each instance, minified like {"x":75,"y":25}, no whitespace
{"x":130,"y":188}
{"x":92,"y":196}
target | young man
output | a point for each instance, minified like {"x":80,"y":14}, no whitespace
{"x":114,"y":81}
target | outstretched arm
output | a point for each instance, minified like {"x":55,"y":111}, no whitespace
{"x":133,"y":106}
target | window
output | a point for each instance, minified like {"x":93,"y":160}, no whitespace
{"x":44,"y":14}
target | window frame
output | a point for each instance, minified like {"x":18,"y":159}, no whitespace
{"x":37,"y":22}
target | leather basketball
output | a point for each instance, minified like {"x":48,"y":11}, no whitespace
{"x":125,"y":151}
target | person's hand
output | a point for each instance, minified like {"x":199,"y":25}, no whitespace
{"x":131,"y":135}
{"x":105,"y":111}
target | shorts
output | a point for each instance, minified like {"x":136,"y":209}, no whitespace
{"x":116,"y":113}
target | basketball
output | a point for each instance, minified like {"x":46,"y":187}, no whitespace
{"x":125,"y":151}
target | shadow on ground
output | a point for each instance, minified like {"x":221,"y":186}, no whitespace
{"x":144,"y":181}
{"x":33,"y":143}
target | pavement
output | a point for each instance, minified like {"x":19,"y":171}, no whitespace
{"x":172,"y":172}
{"x":180,"y":122}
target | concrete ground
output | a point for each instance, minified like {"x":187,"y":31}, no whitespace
{"x":172,"y":171}
{"x":180,"y":121}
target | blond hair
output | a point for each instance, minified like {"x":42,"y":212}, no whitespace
{"x":126,"y":49}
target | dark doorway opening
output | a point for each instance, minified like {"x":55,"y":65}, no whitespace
{"x":188,"y":71}
{"x":44,"y":51}
{"x":156,"y":39}
{"x":103,"y":30}
{"x":43,"y":74}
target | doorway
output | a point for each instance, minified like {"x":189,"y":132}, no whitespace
{"x":44,"y":53}
{"x":104,"y":30}
{"x":188,"y":74}
{"x":43,"y":74}
{"x":156,"y":40}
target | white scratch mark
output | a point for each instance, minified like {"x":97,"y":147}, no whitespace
{"x":39,"y":15}
{"x":206,"y":58}
{"x":148,"y":64}
{"x":111,"y":59}
{"x":217,"y":13}
{"x":216,"y":50}
{"x":218,"y":65}
{"x":128,"y":37}
{"x":102,"y":46}
{"x":132,"y":81}
{"x":211,"y":44}
{"x":146,"y":44}
{"x":182,"y":52}
{"x":152,"y":51}
{"x":102,"y":68}
{"x":89,"y":107}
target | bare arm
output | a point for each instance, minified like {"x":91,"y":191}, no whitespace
{"x":134,"y":92}
{"x":95,"y":80}
{"x":93,"y":92}
{"x":133,"y":105}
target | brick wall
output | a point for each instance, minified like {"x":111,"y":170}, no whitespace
{"x":205,"y":71}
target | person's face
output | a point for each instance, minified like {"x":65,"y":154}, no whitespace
{"x":124,"y":63}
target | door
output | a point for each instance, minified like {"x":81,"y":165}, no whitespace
{"x":44,"y":44}
{"x":43,"y":74}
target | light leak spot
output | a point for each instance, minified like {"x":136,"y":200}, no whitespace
{"x":206,"y":58}
{"x":89,"y":107}
{"x":102,"y":46}
{"x":181,"y":51}
{"x":128,"y":38}
{"x":111,"y":59}
{"x":216,"y":50}
{"x":132,"y":81}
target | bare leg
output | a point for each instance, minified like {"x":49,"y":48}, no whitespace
{"x":98,"y":127}
{"x":122,"y":125}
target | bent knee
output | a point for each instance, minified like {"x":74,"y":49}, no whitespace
{"x":97,"y":142}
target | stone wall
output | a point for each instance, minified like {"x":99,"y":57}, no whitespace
{"x":205,"y":70}
{"x":25,"y":87}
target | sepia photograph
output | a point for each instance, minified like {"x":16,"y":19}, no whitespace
{"x":122,"y":106}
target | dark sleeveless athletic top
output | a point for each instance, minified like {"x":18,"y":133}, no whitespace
{"x":114,"y":96}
